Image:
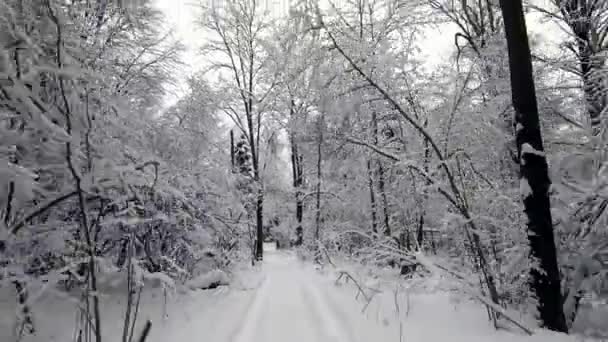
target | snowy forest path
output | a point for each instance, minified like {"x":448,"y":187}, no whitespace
{"x":291,"y":304}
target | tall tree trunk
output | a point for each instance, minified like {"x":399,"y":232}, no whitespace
{"x":381,"y":188}
{"x":420,"y":230}
{"x":545,"y":279}
{"x":381,"y":179}
{"x":232,"y":149}
{"x":259,"y":210}
{"x":254,"y":144}
{"x":298,"y":179}
{"x":259,"y":250}
{"x":254,"y":138}
{"x":319,"y":162}
{"x":372,"y":197}
{"x":423,"y":200}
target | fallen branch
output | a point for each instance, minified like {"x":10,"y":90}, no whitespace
{"x":321,"y":247}
{"x":361,"y":291}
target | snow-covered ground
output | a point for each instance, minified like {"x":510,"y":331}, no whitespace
{"x":286,"y":300}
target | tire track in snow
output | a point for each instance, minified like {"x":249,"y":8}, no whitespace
{"x":314,"y":316}
{"x":281,"y":310}
{"x":334,"y":325}
{"x":294,"y":304}
{"x":252,"y":315}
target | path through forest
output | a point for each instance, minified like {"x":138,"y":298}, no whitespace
{"x":292,"y":305}
{"x":294,"y":302}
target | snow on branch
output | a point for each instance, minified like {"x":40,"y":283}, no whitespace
{"x":437,"y":268}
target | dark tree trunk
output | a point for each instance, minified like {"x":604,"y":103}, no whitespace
{"x":298,"y":181}
{"x":426,"y":161}
{"x":254,"y":143}
{"x":372,"y":197}
{"x":232,"y":150}
{"x":381,"y":183}
{"x":259,"y":210}
{"x":545,"y":279}
{"x":319,"y":162}
{"x":420,"y":230}
{"x":299,"y":217}
{"x":381,"y":188}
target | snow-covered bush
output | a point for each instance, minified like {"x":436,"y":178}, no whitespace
{"x":94,"y":185}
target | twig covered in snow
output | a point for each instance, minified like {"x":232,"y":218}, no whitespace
{"x":360,"y":289}
{"x":436,"y":267}
{"x":145,"y":332}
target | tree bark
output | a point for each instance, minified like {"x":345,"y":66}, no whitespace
{"x":423,"y":199}
{"x":381,"y":188}
{"x":232,"y":149}
{"x":582,"y":18}
{"x":259,"y":210}
{"x":381,"y":182}
{"x":298,"y":177}
{"x":253,"y":143}
{"x":545,"y":278}
{"x":298,"y":180}
{"x":372,"y":197}
{"x":319,"y":162}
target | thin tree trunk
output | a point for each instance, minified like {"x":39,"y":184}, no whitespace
{"x":381,"y":183}
{"x":545,"y":278}
{"x":254,"y":143}
{"x":372,"y":197}
{"x":423,"y":200}
{"x":296,"y":164}
{"x":420,"y":230}
{"x":259,"y":250}
{"x":232,"y":150}
{"x":381,"y":188}
{"x":256,"y":175}
{"x":319,"y":161}
{"x":260,"y":225}
{"x":298,"y":178}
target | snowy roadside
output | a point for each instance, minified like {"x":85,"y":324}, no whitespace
{"x":286,"y":299}
{"x":180,"y":315}
{"x":431,"y":309}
